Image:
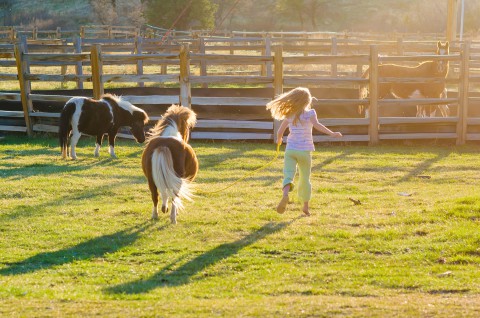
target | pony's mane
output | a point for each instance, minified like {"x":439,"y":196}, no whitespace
{"x":126,"y":105}
{"x":182,"y":117}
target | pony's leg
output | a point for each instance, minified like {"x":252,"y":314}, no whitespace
{"x":154,"y":193}
{"x":444,"y":110}
{"x":111,"y":144}
{"x":164,"y":195}
{"x":73,"y":143}
{"x":164,"y":204}
{"x":419,"y":111}
{"x":97,"y":145}
{"x":422,"y":111}
{"x":173,"y":214}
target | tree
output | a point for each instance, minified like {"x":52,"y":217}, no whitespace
{"x":196,"y":13}
{"x":105,"y":11}
{"x":292,"y":8}
{"x":303,"y":10}
{"x":130,"y":12}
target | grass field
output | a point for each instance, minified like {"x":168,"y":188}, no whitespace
{"x":77,"y":239}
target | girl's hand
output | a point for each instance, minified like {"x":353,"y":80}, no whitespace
{"x":279,"y":140}
{"x":337,"y":134}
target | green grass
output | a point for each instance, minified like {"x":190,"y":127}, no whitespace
{"x":77,"y":239}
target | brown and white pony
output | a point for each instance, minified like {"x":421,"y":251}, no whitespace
{"x":169,"y":162}
{"x":436,"y":68}
{"x":82,"y":115}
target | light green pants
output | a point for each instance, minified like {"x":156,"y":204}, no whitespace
{"x":303,"y":160}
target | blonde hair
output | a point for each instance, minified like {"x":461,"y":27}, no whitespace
{"x":292,"y":103}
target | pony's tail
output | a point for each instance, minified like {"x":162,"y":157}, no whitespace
{"x":166,"y":179}
{"x":64,"y":127}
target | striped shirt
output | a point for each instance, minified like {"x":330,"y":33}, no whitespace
{"x":300,"y":136}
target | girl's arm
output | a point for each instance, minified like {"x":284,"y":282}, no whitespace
{"x":281,"y":131}
{"x":318,"y":126}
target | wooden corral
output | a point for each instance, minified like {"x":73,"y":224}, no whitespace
{"x":259,"y":68}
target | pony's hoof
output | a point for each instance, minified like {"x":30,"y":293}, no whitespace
{"x":164,"y":209}
{"x":154,"y":213}
{"x":173,"y":218}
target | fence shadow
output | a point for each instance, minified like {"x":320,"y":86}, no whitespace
{"x":422,"y":167}
{"x":170,"y":276}
{"x":16,"y":172}
{"x":23,"y":210}
{"x":329,"y":160}
{"x":94,"y":248}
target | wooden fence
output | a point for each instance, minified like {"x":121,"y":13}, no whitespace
{"x":278,"y":68}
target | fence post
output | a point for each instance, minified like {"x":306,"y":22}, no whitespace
{"x":203,"y":63}
{"x":163,"y":68}
{"x":277,"y":83}
{"x":138,"y":50}
{"x":267,"y":50}
{"x":185,"y":87}
{"x":97,"y":70}
{"x":373,"y":88}
{"x":334,"y":51}
{"x":77,"y":43}
{"x":462,"y":111}
{"x":25,"y":86}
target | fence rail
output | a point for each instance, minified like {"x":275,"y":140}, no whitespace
{"x":281,"y":65}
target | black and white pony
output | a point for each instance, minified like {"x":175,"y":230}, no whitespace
{"x":82,"y":115}
{"x":169,"y":162}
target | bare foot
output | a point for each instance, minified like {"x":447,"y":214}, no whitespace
{"x":283,"y":204}
{"x":305,"y":209}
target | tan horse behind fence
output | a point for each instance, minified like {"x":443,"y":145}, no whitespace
{"x":427,"y":69}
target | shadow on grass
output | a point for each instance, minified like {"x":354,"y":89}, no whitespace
{"x":42,"y":169}
{"x":28,"y":210}
{"x":94,"y":248}
{"x":231,"y":151}
{"x":329,"y":160}
{"x":422,"y":167}
{"x":170,"y":276}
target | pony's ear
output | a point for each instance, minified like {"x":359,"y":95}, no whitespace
{"x":440,"y":44}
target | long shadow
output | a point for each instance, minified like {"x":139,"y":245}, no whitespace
{"x":42,"y":169}
{"x":235,"y":150}
{"x":422,"y":167}
{"x":329,"y":160}
{"x":208,"y":161}
{"x":94,"y":248}
{"x":170,"y":277}
{"x":90,"y":192}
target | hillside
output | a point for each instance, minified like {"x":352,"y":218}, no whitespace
{"x":69,"y":14}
